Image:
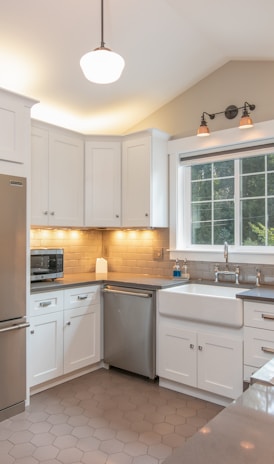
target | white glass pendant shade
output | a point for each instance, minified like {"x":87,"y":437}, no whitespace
{"x":102,"y":66}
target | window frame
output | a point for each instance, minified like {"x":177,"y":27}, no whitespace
{"x":221,"y":145}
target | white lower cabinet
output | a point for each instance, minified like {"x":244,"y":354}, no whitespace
{"x":200,"y":357}
{"x":258,"y":336}
{"x":46,"y":348}
{"x":45,"y":354}
{"x":81,"y":327}
{"x":64,"y":332}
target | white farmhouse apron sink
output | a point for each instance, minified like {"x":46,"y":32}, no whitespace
{"x":210,"y":304}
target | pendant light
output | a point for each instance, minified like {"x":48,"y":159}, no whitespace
{"x":102,"y":65}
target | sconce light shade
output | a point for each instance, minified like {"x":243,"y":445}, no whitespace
{"x":246,"y":121}
{"x":203,"y":130}
{"x":102,"y":66}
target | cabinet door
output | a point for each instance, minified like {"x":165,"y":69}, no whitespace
{"x":177,"y":355}
{"x":136,"y":169}
{"x":220,"y":365}
{"x":66,"y":181}
{"x":45,"y":348}
{"x":81,"y":337}
{"x":103,"y":184}
{"x":39,"y":177}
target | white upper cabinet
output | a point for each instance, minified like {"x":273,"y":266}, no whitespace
{"x":14,"y":133}
{"x":57,"y":178}
{"x":145,"y":180}
{"x":103,"y":183}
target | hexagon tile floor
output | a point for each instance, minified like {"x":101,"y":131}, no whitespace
{"x":104,"y":417}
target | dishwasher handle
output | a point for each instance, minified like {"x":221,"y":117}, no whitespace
{"x":124,"y":292}
{"x":15,"y":327}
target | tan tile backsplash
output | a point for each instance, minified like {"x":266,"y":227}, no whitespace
{"x":130,"y":251}
{"x":133,"y":251}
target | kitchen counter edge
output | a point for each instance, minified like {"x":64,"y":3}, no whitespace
{"x":125,"y":280}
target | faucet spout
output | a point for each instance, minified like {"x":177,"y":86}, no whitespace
{"x":226,"y":252}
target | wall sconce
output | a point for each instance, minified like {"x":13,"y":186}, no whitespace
{"x":230,"y":113}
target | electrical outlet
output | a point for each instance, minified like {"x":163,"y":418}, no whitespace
{"x":158,"y":254}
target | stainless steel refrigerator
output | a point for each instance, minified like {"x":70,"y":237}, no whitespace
{"x":12,"y":295}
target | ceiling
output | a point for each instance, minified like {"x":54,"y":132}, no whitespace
{"x":168,"y":46}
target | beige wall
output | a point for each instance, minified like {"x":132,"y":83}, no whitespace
{"x":232,"y":84}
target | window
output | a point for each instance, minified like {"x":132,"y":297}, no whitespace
{"x":222,"y":189}
{"x":233,"y":201}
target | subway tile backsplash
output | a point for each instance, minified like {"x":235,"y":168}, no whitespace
{"x":130,"y":251}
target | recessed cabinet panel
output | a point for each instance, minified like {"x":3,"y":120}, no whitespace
{"x":66,"y":181}
{"x":46,"y":348}
{"x":145,"y":180}
{"x":14,"y":127}
{"x":177,"y":354}
{"x":81,"y":338}
{"x":220,"y":365}
{"x":57,"y":178}
{"x":136,"y":182}
{"x":103,"y":184}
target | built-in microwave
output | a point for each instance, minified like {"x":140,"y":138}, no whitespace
{"x":46,"y":263}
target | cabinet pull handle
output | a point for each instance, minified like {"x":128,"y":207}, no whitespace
{"x":191,"y":346}
{"x":267,"y":349}
{"x":82,"y":297}
{"x":268,"y":316}
{"x":200,"y":348}
{"x":45,"y":304}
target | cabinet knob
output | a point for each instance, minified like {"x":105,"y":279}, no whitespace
{"x":146,"y":215}
{"x":200,"y":348}
{"x":68,"y":323}
{"x":45,"y":213}
{"x":191,"y":346}
{"x":117,"y":216}
{"x":52,"y":213}
{"x":32,"y":332}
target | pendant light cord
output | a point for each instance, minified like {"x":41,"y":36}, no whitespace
{"x":102,"y":24}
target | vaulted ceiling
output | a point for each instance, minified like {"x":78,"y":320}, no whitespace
{"x":168,"y":46}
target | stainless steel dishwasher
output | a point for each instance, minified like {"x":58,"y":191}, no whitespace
{"x":130,"y":329}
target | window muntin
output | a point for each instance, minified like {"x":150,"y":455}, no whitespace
{"x":233,"y":201}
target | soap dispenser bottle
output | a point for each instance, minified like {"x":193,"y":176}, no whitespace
{"x":185,"y":273}
{"x":176,"y":270}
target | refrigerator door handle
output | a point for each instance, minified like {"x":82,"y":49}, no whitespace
{"x":15,"y":327}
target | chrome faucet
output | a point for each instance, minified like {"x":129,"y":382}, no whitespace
{"x":235,"y":273}
{"x":226,"y":252}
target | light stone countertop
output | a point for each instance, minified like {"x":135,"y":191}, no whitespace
{"x":242,"y":433}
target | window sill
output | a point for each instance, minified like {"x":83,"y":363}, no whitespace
{"x":248,"y":256}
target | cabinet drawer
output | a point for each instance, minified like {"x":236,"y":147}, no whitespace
{"x":81,"y":296}
{"x":258,"y":346}
{"x":45,"y":303}
{"x":259,"y":315}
